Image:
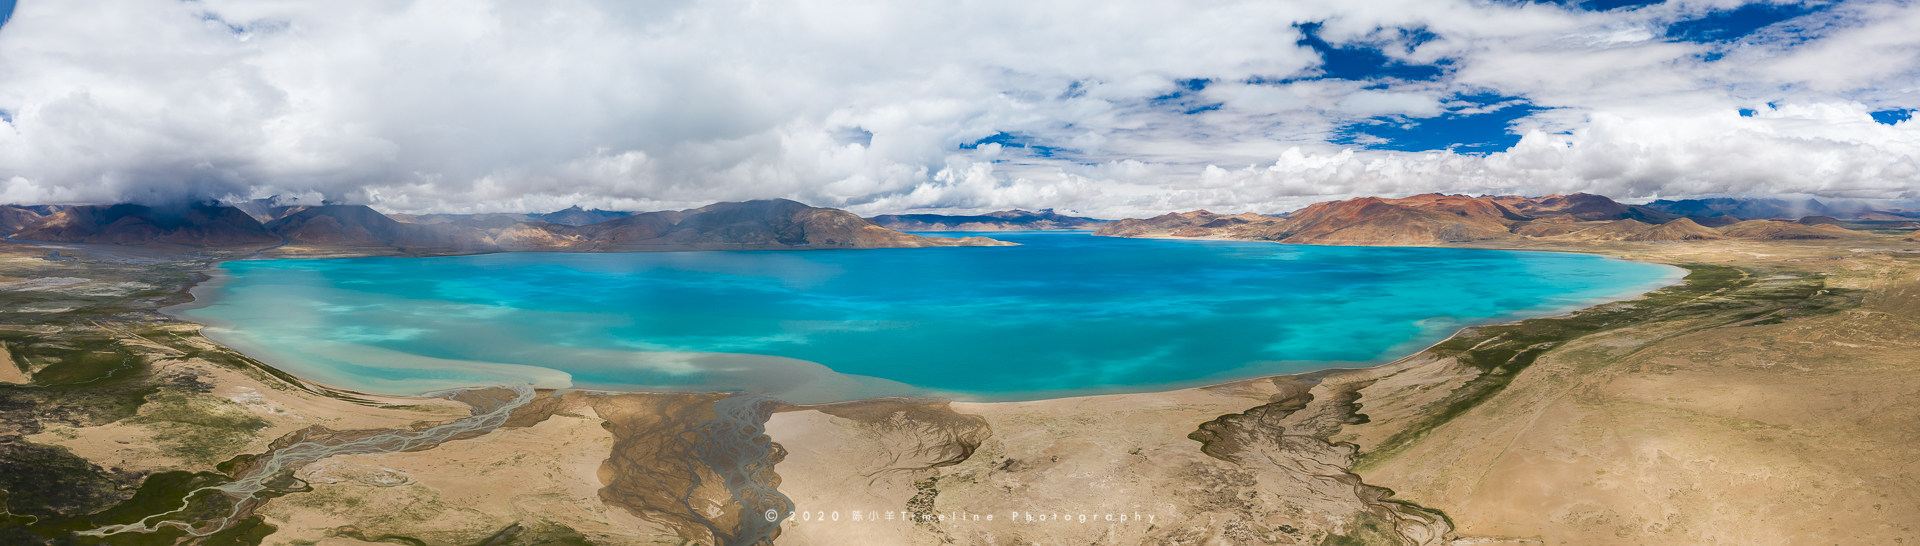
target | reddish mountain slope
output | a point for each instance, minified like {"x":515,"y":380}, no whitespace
{"x":1415,"y":220}
{"x":14,"y":219}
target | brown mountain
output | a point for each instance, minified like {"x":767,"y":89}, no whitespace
{"x":576,"y":216}
{"x":772,"y":223}
{"x":1551,"y":228}
{"x":198,"y":224}
{"x":1915,"y":236}
{"x":1721,"y":220}
{"x":1774,"y":230}
{"x":1678,"y":230}
{"x":1006,"y":220}
{"x":1197,"y":223}
{"x":1460,"y":205}
{"x":347,"y":225}
{"x":361,"y":226}
{"x":267,"y":210}
{"x":1438,"y":218}
{"x":1581,"y":207}
{"x":1421,"y":219}
{"x":1617,"y":230}
{"x":14,"y":219}
{"x":766,"y":224}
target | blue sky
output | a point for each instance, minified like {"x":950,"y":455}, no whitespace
{"x":1103,"y":107}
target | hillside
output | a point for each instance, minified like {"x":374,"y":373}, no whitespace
{"x":1432,"y":219}
{"x":1422,"y":219}
{"x":13,"y":219}
{"x":1197,"y":223}
{"x":1616,"y":230}
{"x":1776,"y":208}
{"x":1581,"y":207}
{"x":774,"y":223}
{"x":269,"y":209}
{"x":357,"y":229}
{"x":1774,"y":230}
{"x":576,"y":216}
{"x":1676,"y":231}
{"x":361,"y":226}
{"x":1006,"y":220}
{"x":199,"y":224}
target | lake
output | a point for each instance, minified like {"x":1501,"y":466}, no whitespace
{"x":1064,"y":314}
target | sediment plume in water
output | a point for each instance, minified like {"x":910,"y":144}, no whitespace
{"x":308,"y":447}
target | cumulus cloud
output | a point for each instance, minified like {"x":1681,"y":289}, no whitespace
{"x":1110,"y":108}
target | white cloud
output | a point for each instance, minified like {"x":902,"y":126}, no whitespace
{"x":1375,"y":103}
{"x":471,"y":105}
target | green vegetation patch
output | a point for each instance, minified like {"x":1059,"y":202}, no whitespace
{"x":46,"y":482}
{"x":161,"y":497}
{"x":1367,"y":530}
{"x":199,"y":428}
{"x":82,"y":380}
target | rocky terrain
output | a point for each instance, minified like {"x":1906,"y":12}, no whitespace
{"x":1435,"y":219}
{"x":1006,"y":220}
{"x":325,"y":230}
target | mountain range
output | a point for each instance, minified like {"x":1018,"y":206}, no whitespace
{"x":750,"y":225}
{"x":782,"y":224}
{"x":1437,"y":219}
{"x":1006,"y":220}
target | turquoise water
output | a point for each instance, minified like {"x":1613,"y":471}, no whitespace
{"x":1063,"y":314}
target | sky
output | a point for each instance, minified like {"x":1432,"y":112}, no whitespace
{"x":1108,"y":108}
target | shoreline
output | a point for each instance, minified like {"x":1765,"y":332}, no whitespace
{"x":200,"y":296}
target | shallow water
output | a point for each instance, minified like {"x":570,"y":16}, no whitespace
{"x":1063,"y":314}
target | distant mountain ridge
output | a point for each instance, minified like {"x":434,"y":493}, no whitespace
{"x":1425,"y":219}
{"x":759,"y":225}
{"x":1197,"y":223}
{"x":1743,"y":208}
{"x":197,"y":224}
{"x":1006,"y":220}
{"x":1430,"y":219}
{"x":576,"y":216}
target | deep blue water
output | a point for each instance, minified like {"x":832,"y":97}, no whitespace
{"x":1063,"y":314}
